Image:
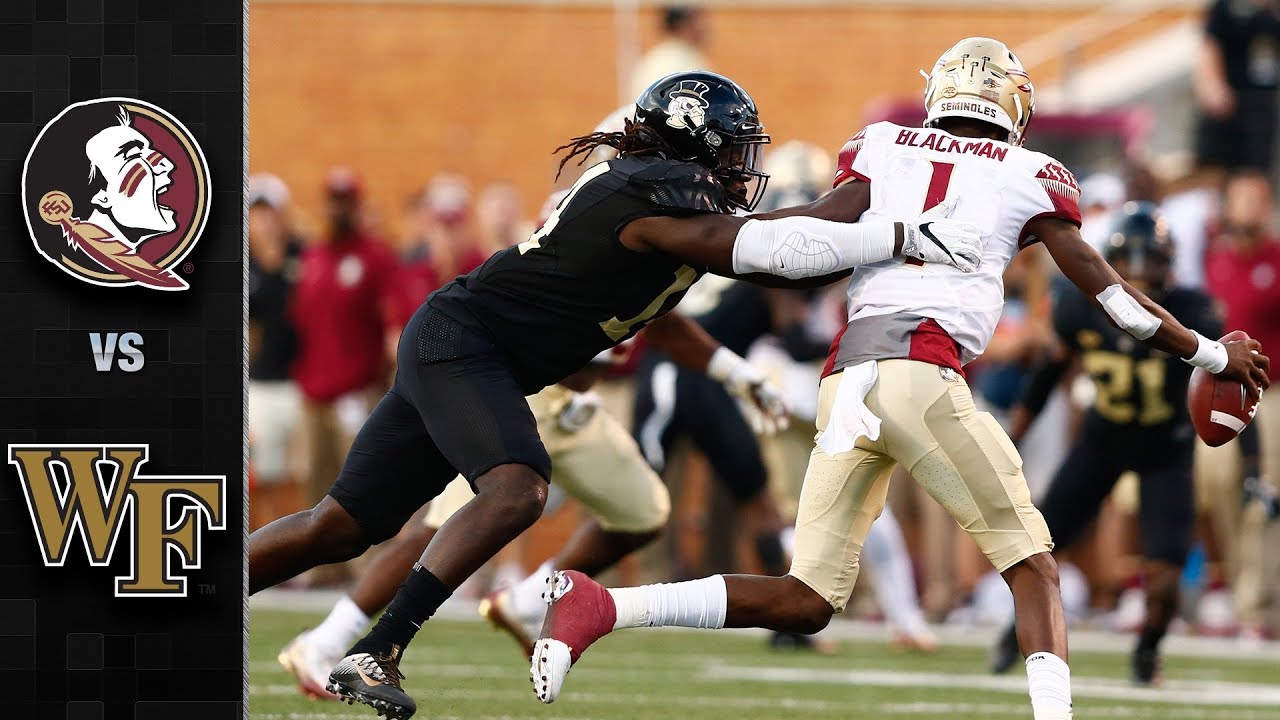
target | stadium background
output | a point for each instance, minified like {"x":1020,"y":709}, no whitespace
{"x":405,"y":91}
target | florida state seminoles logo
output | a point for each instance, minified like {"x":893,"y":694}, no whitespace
{"x":116,"y":192}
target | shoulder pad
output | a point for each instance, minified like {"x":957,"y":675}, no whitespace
{"x":678,"y":185}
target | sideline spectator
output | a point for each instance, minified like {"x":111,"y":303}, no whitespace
{"x":339,"y":312}
{"x":1190,"y":206}
{"x":499,"y":220}
{"x":275,"y":407}
{"x":446,"y":236}
{"x":686,"y":33}
{"x":1236,"y":81}
{"x":1101,"y":197}
{"x":1243,"y":270}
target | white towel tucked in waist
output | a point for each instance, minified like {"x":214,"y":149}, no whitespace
{"x":850,"y":419}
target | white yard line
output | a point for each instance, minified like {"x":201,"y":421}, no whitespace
{"x":368,"y":716}
{"x":1179,"y":692}
{"x":462,"y":610}
{"x":632,"y":700}
{"x":1176,"y":692}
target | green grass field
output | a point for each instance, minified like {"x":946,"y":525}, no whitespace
{"x":461,"y":669}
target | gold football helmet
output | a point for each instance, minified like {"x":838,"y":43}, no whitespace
{"x":980,"y":78}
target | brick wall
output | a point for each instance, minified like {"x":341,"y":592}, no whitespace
{"x":402,"y":91}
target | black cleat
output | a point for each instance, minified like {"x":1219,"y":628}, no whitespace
{"x":373,"y":680}
{"x":1005,"y":654}
{"x":1145,"y":667}
{"x":797,"y":641}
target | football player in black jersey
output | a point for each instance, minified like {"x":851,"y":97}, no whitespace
{"x":1139,"y":422}
{"x":619,"y":250}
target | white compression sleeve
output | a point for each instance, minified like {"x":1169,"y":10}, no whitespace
{"x":800,"y":247}
{"x":1127,"y":313}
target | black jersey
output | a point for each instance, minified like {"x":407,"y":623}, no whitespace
{"x":552,"y":303}
{"x":1141,"y":392}
{"x":737,"y":313}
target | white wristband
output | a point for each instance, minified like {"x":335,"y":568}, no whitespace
{"x":1210,"y":354}
{"x":722,"y":364}
{"x":801,"y":247}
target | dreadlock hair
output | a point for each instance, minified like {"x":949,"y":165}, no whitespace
{"x":635,"y":139}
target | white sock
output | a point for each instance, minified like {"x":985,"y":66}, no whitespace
{"x":885,"y":552}
{"x":696,"y":604}
{"x":346,"y":623}
{"x":526,"y":595}
{"x":1049,"y":682}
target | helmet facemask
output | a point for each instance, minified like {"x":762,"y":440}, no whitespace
{"x":738,"y":167}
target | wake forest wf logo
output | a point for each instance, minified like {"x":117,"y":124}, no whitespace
{"x":116,"y":192}
{"x":92,"y":488}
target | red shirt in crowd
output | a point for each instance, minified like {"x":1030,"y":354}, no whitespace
{"x":419,"y":276}
{"x":414,"y":281}
{"x":1248,"y":284}
{"x":340,"y":309}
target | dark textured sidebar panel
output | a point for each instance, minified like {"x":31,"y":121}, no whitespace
{"x":69,"y":646}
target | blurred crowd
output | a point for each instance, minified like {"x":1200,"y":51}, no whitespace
{"x":328,"y":298}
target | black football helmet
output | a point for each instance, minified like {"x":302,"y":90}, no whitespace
{"x":709,"y":119}
{"x":1140,"y":248}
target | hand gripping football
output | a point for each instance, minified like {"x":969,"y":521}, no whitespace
{"x":1220,"y":408}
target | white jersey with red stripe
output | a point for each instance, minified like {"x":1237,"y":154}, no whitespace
{"x":998,"y":187}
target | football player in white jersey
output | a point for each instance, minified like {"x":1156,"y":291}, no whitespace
{"x":894,"y":388}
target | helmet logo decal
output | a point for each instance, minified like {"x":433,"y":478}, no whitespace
{"x":687,"y":108}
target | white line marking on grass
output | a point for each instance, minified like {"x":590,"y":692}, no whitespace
{"x":936,"y":709}
{"x":1203,"y":692}
{"x":366,"y":716}
{"x":457,"y":609}
{"x":930,"y":709}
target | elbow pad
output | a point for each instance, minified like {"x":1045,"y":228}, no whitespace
{"x":802,"y":247}
{"x":1127,"y":313}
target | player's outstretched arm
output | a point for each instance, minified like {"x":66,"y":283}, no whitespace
{"x":1138,"y":315}
{"x":693,"y":348}
{"x":802,"y":248}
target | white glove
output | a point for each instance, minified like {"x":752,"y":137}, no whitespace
{"x":933,"y":238}
{"x":577,"y":412}
{"x":761,"y":403}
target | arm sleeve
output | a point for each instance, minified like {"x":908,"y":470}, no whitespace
{"x":805,"y":247}
{"x":851,"y":162}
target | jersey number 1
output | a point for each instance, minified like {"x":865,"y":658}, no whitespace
{"x":939,"y":181}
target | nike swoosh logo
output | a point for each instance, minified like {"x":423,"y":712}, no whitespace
{"x":924,"y":230}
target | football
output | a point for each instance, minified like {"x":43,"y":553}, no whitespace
{"x":1220,"y":409}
